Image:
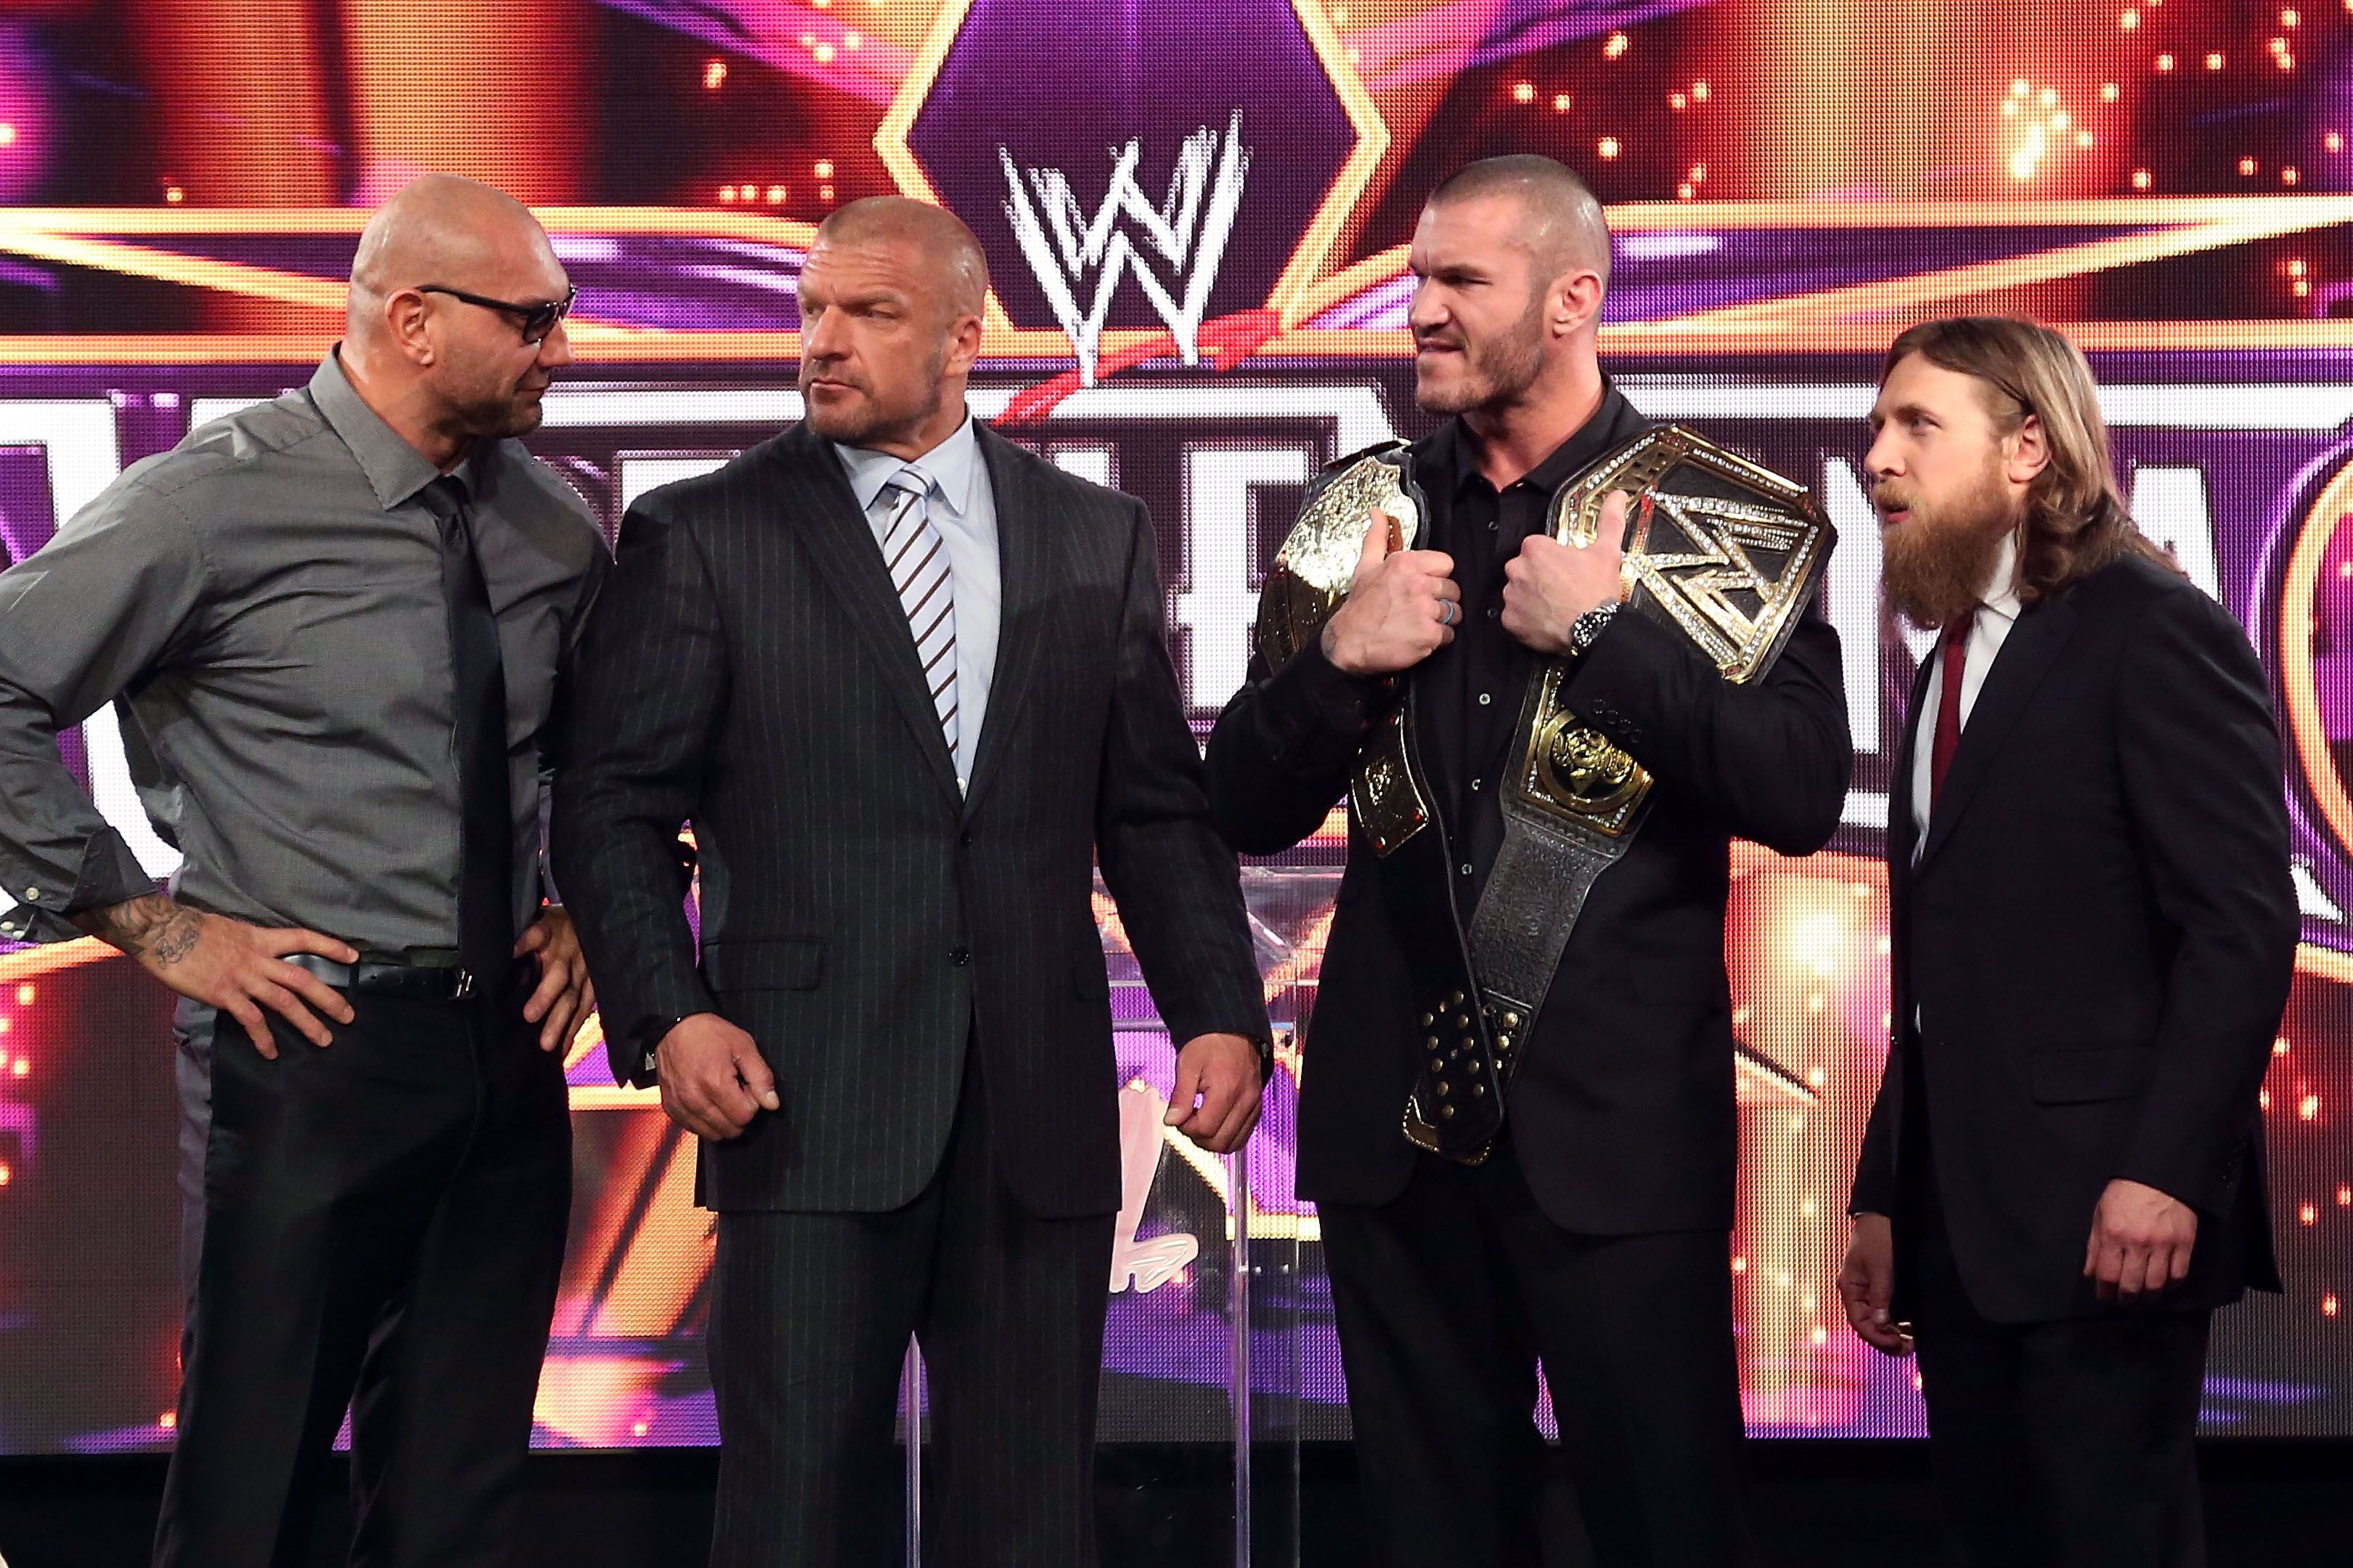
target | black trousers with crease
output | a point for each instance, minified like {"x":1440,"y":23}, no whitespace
{"x":381,"y":1229}
{"x":2068,"y":1444}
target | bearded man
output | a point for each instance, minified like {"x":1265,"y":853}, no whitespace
{"x":2092,"y":933}
{"x":1593,"y":1238}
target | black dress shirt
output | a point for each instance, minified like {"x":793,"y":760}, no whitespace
{"x":1467,"y":701}
{"x":1623,"y":1110}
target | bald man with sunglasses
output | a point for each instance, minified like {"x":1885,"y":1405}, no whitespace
{"x":330,"y":625}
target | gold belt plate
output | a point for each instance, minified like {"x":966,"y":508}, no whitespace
{"x":1317,"y":563}
{"x":1569,"y":769}
{"x":1732,"y":572}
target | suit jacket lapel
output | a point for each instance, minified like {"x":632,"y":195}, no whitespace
{"x":1025,"y":555}
{"x":822,"y":512}
{"x":1902,"y":832}
{"x":2026,"y":657}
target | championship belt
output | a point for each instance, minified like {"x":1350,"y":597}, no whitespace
{"x":1720,"y":550}
{"x":1310,"y":580}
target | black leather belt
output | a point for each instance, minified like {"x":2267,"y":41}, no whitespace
{"x":416,"y":982}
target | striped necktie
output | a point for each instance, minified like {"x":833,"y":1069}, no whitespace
{"x":918,"y":561}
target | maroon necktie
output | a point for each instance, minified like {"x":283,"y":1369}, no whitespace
{"x":1949,"y":704}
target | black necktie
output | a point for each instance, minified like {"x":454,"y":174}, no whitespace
{"x":486,"y":933}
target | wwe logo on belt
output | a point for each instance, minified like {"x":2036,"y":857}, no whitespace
{"x":1068,"y":251}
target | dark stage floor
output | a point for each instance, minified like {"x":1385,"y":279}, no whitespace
{"x":2270,"y":1504}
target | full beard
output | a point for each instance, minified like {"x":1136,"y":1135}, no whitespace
{"x":1935,"y":565}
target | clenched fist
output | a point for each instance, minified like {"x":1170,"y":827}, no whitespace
{"x":1402,"y":608}
{"x":1548,"y":584}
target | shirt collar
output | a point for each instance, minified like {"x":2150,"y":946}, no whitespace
{"x":2001,"y":584}
{"x":951,"y":464}
{"x":1458,"y":449}
{"x":394,"y":469}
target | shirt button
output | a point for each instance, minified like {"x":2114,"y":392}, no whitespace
{"x":1484,"y":698}
{"x":959,"y":956}
{"x":1492,"y":612}
{"x":1476,"y":783}
{"x":1466,"y":867}
{"x":1494,"y":526}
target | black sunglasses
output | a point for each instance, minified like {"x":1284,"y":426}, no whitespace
{"x":538,"y":321}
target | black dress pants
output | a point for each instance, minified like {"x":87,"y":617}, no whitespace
{"x":1447,"y":1301}
{"x":2070,"y":1443}
{"x":383,"y":1229}
{"x":809,"y":1329}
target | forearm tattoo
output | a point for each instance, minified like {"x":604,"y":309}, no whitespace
{"x":153,"y":926}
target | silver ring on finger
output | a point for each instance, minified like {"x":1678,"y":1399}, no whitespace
{"x":1445,"y":612}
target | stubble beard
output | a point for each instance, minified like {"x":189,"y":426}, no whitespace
{"x":503,"y":416}
{"x":1495,"y":372}
{"x":1935,"y":566}
{"x":868,"y":422}
{"x":520,"y":418}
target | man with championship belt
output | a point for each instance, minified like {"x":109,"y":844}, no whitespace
{"x":1543,"y":774}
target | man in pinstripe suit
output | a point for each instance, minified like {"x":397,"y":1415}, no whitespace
{"x":907,"y":682}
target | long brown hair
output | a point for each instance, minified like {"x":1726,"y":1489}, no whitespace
{"x":2075,"y":518}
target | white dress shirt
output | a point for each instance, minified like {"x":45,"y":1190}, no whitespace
{"x":1995,"y":616}
{"x":963,"y":508}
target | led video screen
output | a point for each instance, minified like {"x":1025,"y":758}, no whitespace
{"x":1195,"y":218}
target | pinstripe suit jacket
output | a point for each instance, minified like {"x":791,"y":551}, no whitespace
{"x":750,"y":669}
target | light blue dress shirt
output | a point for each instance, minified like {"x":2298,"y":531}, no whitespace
{"x":963,"y":508}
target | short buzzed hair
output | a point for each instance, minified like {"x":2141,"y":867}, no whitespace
{"x":1565,"y":227}
{"x":938,"y":232}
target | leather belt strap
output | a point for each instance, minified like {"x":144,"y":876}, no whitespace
{"x":1474,"y":1034}
{"x":1534,"y":893}
{"x":416,"y":982}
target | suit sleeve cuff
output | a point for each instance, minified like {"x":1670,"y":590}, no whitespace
{"x":630,"y":1038}
{"x":1628,"y":659}
{"x":2209,"y":1192}
{"x":1250,"y":1024}
{"x":1312,"y":698}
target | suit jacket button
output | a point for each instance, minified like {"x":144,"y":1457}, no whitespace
{"x":959,"y":956}
{"x":965,"y":839}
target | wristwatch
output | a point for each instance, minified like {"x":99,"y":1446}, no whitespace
{"x":1586,"y":629}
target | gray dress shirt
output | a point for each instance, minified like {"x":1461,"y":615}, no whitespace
{"x":963,"y":508}
{"x":266,"y":601}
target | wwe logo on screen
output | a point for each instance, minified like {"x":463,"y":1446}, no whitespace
{"x":1072,"y":253}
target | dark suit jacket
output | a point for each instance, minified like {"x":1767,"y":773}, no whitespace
{"x":2098,"y":939}
{"x":750,"y":668}
{"x":1622,"y":1112}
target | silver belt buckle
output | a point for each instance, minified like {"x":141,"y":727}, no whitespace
{"x":464,"y":984}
